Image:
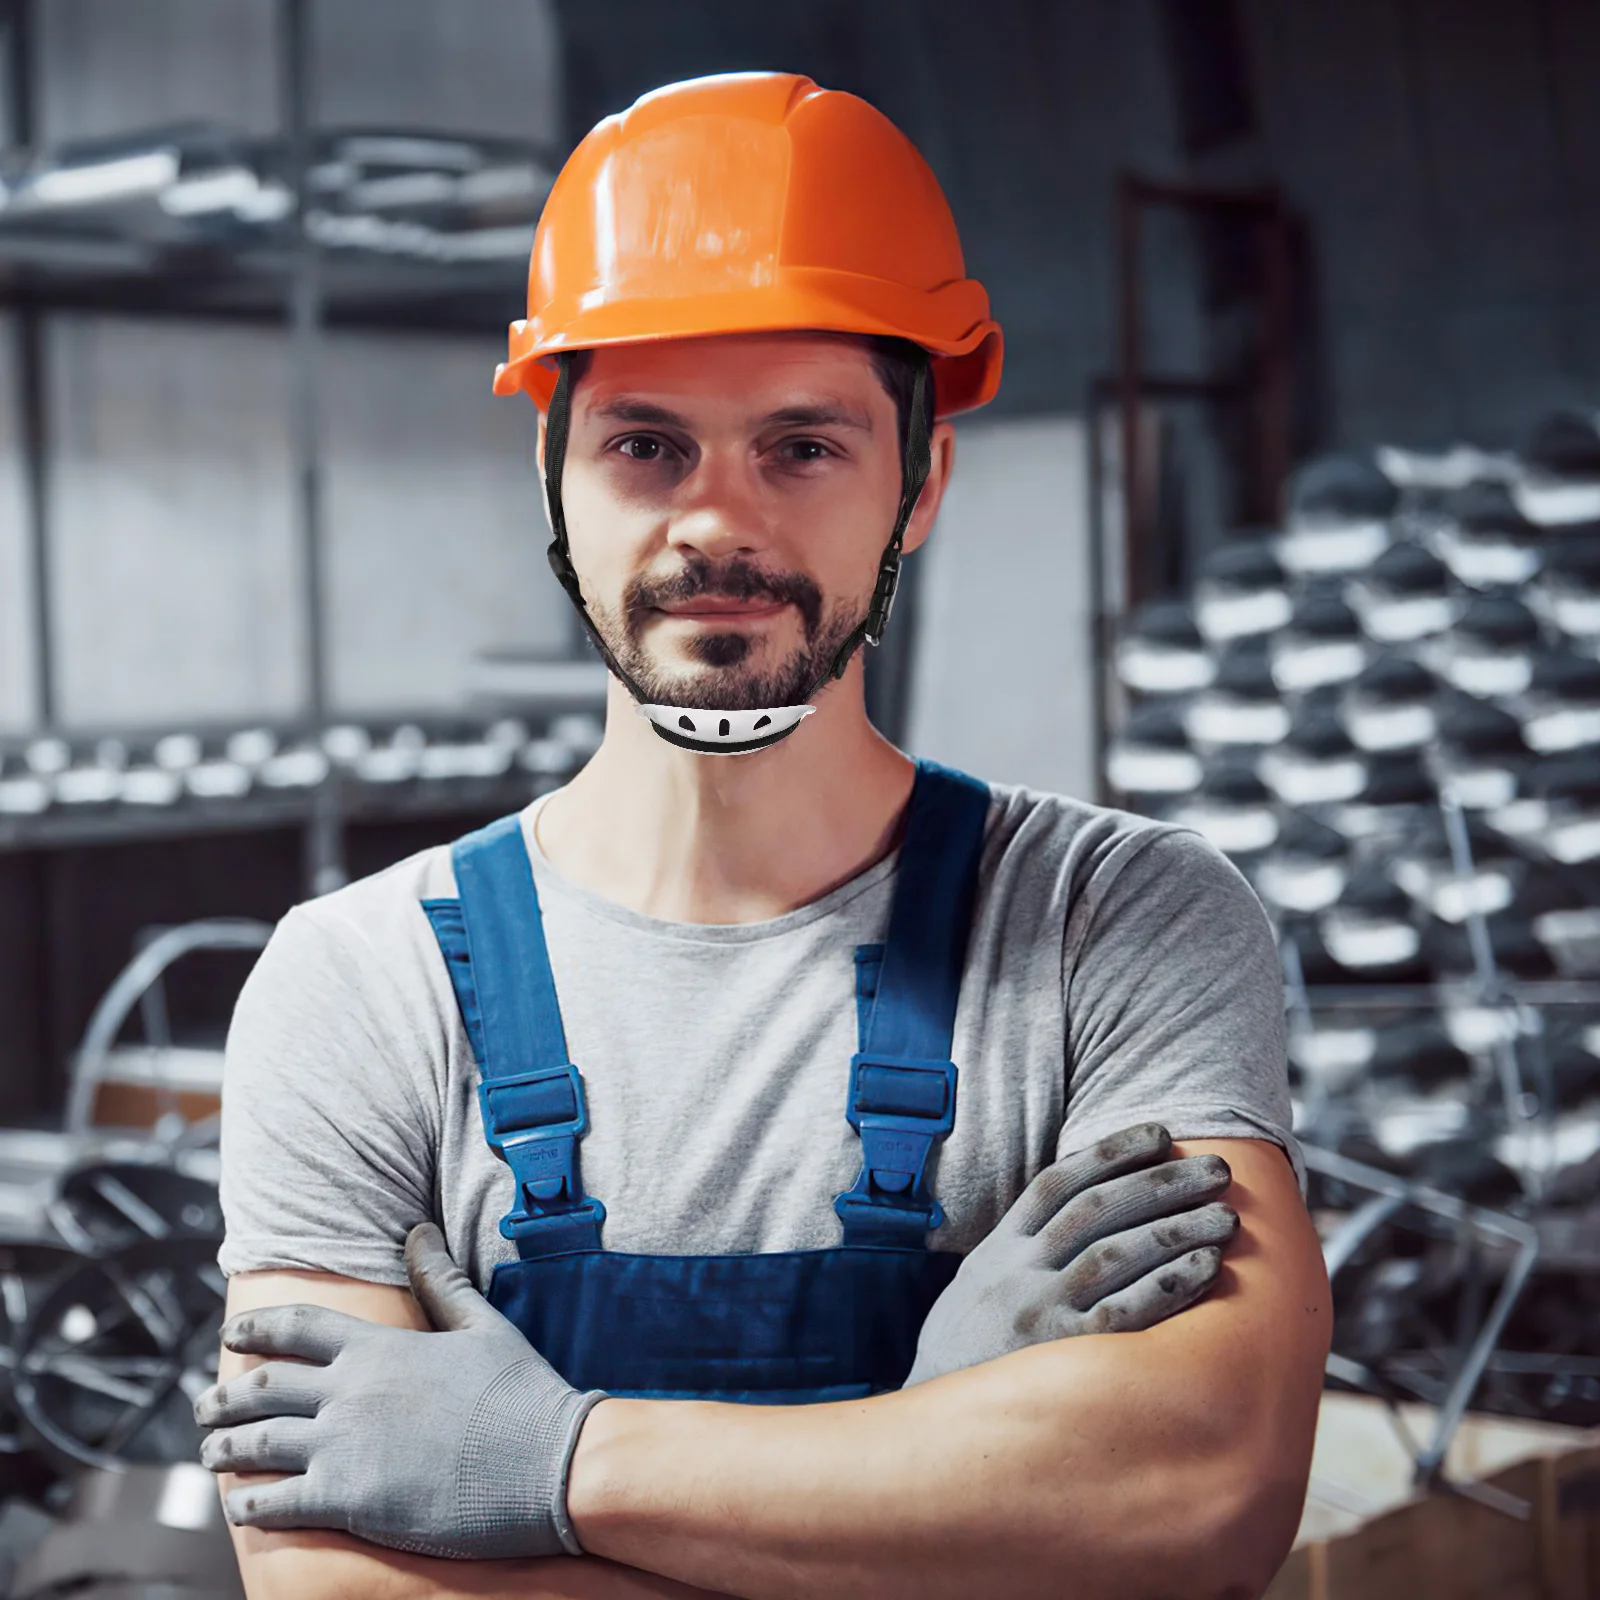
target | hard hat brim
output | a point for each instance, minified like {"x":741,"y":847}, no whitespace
{"x":952,"y":323}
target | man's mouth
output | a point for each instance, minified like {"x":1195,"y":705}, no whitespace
{"x":722,"y":608}
{"x":729,"y":603}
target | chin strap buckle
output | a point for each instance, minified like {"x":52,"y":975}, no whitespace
{"x":882,"y":598}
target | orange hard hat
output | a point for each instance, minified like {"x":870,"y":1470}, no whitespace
{"x":750,"y":203}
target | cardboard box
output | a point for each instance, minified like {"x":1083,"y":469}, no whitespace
{"x":1368,"y":1535}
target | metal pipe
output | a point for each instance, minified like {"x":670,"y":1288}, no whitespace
{"x":1364,"y":1221}
{"x":1494,"y":1223}
{"x":1477,"y":1359}
{"x":324,"y":841}
{"x":31,"y":392}
{"x":88,"y":1067}
{"x":34,"y":441}
{"x":1274,"y":421}
{"x":1130,"y":357}
{"x":1427,"y":996}
{"x":1100,"y":618}
{"x":1486,"y":970}
{"x":305,"y":328}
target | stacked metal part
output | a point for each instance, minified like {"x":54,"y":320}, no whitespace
{"x":1387,"y":713}
{"x":209,"y":768}
{"x":1423,"y":628}
{"x":109,"y":1322}
{"x":119,"y":204}
{"x":110,"y":1309}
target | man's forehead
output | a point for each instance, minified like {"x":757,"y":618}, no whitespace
{"x":755,"y":373}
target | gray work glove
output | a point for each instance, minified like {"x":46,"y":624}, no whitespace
{"x":1110,"y":1240}
{"x":452,"y":1443}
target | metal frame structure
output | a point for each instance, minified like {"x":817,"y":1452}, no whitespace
{"x":29,"y":376}
{"x":139,"y":984}
{"x":1390,"y":1198}
{"x":1131,"y":387}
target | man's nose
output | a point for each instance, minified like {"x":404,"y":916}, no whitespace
{"x":719,"y":513}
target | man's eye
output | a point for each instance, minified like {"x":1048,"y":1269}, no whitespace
{"x":807,"y":450}
{"x":642,"y":448}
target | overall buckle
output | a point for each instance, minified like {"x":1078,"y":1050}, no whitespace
{"x":533,"y":1121}
{"x":549,"y":1233}
{"x":901,"y":1108}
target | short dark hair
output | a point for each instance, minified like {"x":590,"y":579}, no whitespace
{"x":894,"y":360}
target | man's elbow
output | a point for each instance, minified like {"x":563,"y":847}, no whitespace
{"x":1252,"y":1524}
{"x":1218,"y":1528}
{"x":1258,"y":1469}
{"x":1266,"y":1335}
{"x":1233,"y":1506}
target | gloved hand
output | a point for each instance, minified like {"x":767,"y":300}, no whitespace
{"x":1110,"y":1240}
{"x":452,"y":1443}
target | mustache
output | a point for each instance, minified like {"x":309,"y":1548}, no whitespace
{"x":730,"y":580}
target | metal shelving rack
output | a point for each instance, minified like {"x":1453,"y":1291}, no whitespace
{"x":302,"y":286}
{"x":79,"y":881}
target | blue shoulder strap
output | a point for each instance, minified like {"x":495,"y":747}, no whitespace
{"x":531,"y":1095}
{"x":902,"y":1080}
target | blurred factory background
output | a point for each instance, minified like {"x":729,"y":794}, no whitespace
{"x":1286,"y":526}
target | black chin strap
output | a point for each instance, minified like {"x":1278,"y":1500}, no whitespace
{"x":917,"y":464}
{"x":913,"y":475}
{"x":557,"y":425}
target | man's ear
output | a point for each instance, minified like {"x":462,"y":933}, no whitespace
{"x":942,"y":448}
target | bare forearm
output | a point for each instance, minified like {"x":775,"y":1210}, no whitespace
{"x":980,"y":1482}
{"x":1166,"y":1463}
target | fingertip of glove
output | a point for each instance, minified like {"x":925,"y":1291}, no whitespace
{"x":1206,"y":1172}
{"x":1147,"y":1141}
{"x":423,"y":1236}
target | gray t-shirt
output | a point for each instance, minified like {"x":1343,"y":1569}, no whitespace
{"x":1119,"y":971}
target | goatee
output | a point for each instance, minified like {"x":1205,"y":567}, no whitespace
{"x":729,"y":685}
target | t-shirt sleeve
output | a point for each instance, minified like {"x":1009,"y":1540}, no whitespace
{"x":1174,"y":1000}
{"x":330,"y":1110}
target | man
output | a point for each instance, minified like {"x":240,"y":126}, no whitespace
{"x":775,"y":1030}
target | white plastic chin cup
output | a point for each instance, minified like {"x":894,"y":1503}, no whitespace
{"x":724,"y":733}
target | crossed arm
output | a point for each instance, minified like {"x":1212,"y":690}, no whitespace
{"x":1170,"y":1462}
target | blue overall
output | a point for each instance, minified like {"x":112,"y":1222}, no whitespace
{"x":781,"y":1327}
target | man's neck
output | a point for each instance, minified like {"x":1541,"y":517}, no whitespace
{"x":729,"y":839}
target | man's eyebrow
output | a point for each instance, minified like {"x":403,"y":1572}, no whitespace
{"x":823,"y":414}
{"x":827,"y":414}
{"x":627,"y":409}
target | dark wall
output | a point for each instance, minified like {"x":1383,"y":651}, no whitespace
{"x":71,"y":919}
{"x":1024,"y":108}
{"x":1444,"y":154}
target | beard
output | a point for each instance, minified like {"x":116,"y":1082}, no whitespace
{"x":726,"y":681}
